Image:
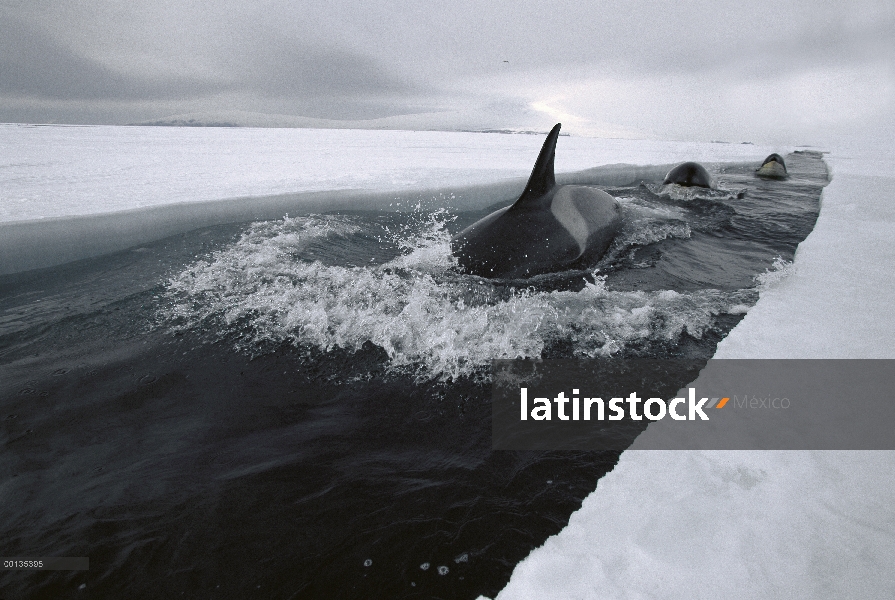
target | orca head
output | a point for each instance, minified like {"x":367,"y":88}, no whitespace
{"x":774,"y":158}
{"x":773,"y":167}
{"x":689,"y":174}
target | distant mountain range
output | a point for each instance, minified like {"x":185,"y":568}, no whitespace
{"x":187,"y":123}
{"x":529,"y":122}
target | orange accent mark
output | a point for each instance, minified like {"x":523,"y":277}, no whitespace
{"x":722,"y":403}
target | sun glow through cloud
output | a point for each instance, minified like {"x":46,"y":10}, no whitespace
{"x":544,"y":106}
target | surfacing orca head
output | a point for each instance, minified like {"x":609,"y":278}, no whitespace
{"x":772,"y":167}
{"x":690,"y":174}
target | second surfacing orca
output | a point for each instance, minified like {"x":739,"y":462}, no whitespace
{"x":690,"y":174}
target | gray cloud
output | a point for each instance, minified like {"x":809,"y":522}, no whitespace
{"x":33,"y":64}
{"x":240,"y":66}
{"x":274,"y":64}
{"x":286,"y":74}
{"x":346,"y":59}
{"x":471,"y":37}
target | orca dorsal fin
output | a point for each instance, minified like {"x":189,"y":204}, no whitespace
{"x":542,"y":177}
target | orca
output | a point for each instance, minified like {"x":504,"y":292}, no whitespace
{"x":690,"y":174}
{"x":772,"y":167}
{"x":548,"y":228}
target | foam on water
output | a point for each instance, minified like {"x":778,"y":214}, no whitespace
{"x":780,"y":270}
{"x":426,"y":315}
{"x":681,"y":193}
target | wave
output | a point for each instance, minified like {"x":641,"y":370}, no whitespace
{"x":679,"y":193}
{"x":779,"y":270}
{"x":646,"y":223}
{"x":426,"y":315}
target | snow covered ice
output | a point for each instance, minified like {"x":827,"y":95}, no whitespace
{"x":76,"y":192}
{"x":57,"y":171}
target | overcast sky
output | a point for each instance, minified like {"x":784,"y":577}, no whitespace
{"x":769,"y":71}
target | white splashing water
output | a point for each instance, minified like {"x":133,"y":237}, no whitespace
{"x":682,"y":193}
{"x":780,"y":270}
{"x":417,"y":307}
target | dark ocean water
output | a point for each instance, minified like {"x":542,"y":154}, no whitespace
{"x":300,"y":408}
